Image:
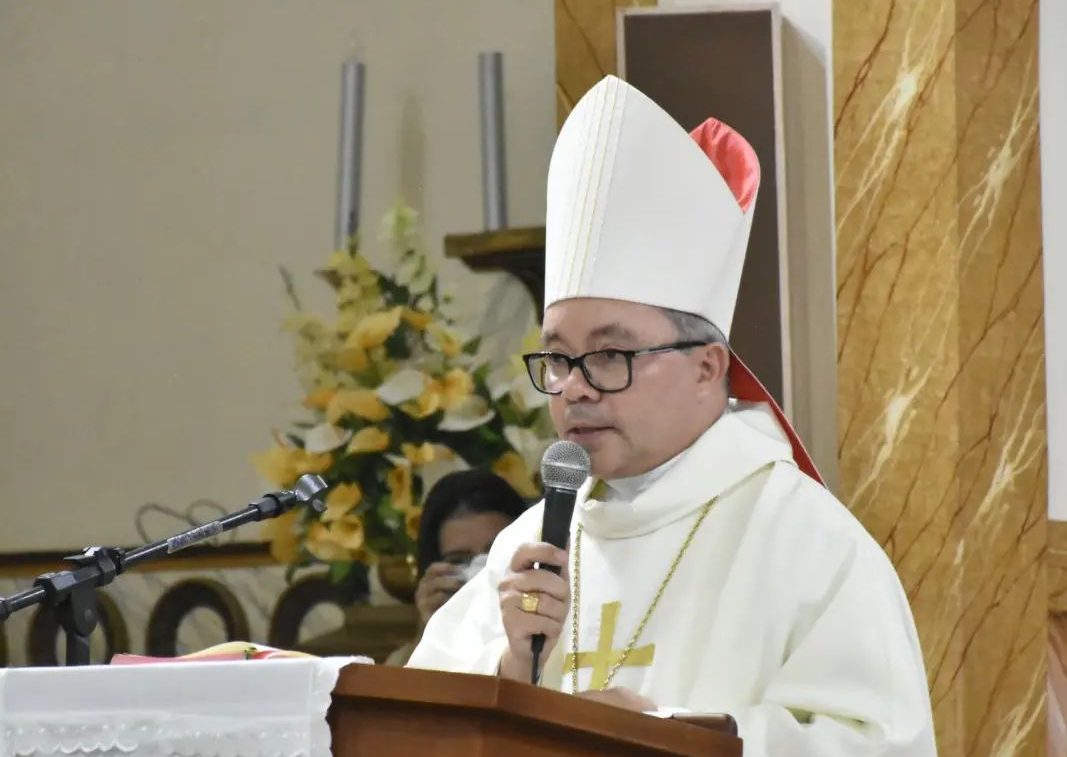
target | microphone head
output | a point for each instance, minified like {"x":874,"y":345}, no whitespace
{"x":308,"y":489}
{"x":565,"y":466}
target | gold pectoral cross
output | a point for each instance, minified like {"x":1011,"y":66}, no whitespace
{"x":605,"y":659}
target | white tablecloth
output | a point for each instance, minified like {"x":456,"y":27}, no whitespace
{"x":274,"y":708}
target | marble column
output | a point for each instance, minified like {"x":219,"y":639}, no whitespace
{"x":585,"y":47}
{"x":941,"y":402}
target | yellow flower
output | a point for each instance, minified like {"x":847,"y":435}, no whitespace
{"x":275,"y":466}
{"x":283,"y":536}
{"x":347,"y":320}
{"x":319,"y":399}
{"x":339,"y":541}
{"x":427,"y":403}
{"x":282,"y":465}
{"x":349,"y":532}
{"x":511,"y":467}
{"x":425,"y":453}
{"x":379,"y":358}
{"x":457,"y":386}
{"x":350,"y":294}
{"x":530,"y":343}
{"x":306,"y":462}
{"x":446,"y":342}
{"x":399,"y":482}
{"x":363,"y":403}
{"x":340,"y":500}
{"x":346,"y":264}
{"x":411,"y":522}
{"x":443,"y":394}
{"x":307,"y":323}
{"x":374,"y":329}
{"x":417,"y":319}
{"x":352,"y":359}
{"x":323,"y":377}
{"x":322,"y":545}
{"x":369,"y":439}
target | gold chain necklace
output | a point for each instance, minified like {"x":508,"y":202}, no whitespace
{"x":577,"y":598}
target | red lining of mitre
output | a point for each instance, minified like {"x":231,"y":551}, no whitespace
{"x":738,"y":165}
{"x":733,"y":156}
{"x":745,"y":386}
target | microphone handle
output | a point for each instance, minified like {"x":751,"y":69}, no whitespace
{"x":555,"y":530}
{"x":556,"y":521}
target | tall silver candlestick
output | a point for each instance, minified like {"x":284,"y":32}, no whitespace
{"x":349,"y":152}
{"x":494,"y":170}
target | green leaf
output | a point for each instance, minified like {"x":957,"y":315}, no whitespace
{"x":339,"y":571}
{"x":386,"y":511}
{"x":481,"y":376}
{"x":397,"y":345}
{"x":471,"y":347}
{"x":379,"y":543}
{"x":509,"y":415}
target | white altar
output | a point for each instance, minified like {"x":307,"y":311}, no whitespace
{"x":255,"y":708}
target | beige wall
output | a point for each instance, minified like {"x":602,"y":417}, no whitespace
{"x":1053,"y":62}
{"x":159,"y":162}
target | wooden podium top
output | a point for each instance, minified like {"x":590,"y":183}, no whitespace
{"x":394,"y":711}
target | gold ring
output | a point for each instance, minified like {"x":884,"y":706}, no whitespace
{"x":530,"y":602}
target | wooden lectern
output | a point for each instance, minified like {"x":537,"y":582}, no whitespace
{"x":396,"y":712}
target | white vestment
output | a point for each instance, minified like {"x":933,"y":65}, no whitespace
{"x":783,"y":612}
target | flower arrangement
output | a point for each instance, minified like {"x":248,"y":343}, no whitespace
{"x":398,"y":399}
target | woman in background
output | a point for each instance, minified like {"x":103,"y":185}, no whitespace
{"x":463,"y":513}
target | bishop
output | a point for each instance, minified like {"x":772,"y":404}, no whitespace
{"x":708,"y":567}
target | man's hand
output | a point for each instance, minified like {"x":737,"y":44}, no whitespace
{"x":440,"y":581}
{"x":621,"y":697}
{"x":553,"y":599}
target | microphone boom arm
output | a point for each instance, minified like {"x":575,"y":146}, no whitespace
{"x":72,"y":593}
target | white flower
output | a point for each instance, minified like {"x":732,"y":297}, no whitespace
{"x":422,"y":279}
{"x":325,"y":437}
{"x":408,"y":270}
{"x":529,"y":445}
{"x":433,"y":363}
{"x":505,"y":379}
{"x":500,"y":381}
{"x":434,"y":471}
{"x":399,"y":226}
{"x":472,"y":412}
{"x":526,"y":397}
{"x":404,"y":385}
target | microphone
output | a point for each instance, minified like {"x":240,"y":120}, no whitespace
{"x":306,"y":491}
{"x":564,"y":467}
{"x":71,"y":593}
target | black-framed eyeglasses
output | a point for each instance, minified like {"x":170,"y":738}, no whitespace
{"x":607,"y":371}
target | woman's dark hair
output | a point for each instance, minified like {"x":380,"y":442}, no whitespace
{"x":462,"y":493}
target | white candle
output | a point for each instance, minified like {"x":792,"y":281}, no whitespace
{"x":494,"y":172}
{"x":349,"y":152}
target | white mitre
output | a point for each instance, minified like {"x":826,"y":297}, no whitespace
{"x":638,"y":210}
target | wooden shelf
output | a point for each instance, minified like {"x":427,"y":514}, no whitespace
{"x":519,"y":251}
